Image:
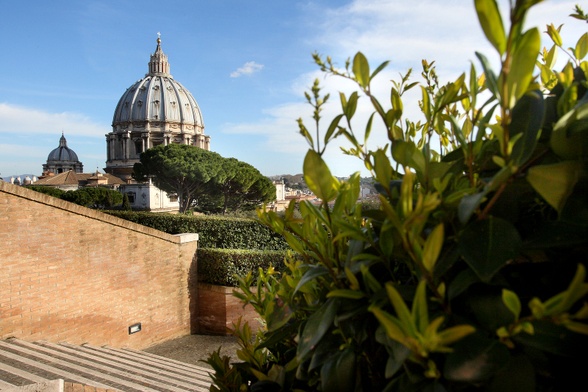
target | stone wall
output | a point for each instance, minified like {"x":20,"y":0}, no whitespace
{"x":73,"y":274}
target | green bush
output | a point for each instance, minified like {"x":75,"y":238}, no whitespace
{"x":214,"y":232}
{"x":223,"y":266}
{"x":48,"y":190}
{"x":92,"y":197}
{"x":471,"y":273}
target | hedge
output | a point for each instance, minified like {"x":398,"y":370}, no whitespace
{"x":214,"y":232}
{"x":221,"y":266}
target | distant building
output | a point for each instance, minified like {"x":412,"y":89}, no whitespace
{"x":70,"y":180}
{"x":155,"y":110}
{"x":62,"y":159}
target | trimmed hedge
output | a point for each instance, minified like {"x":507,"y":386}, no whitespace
{"x":219,"y":266}
{"x":227,"y":246}
{"x":214,"y":232}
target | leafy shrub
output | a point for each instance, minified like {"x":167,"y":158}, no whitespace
{"x":93,"y":197}
{"x":214,"y":232}
{"x":48,"y":190}
{"x":224,"y":266}
{"x":471,"y":273}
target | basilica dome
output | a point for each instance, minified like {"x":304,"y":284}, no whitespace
{"x":155,"y":110}
{"x":157,"y":98}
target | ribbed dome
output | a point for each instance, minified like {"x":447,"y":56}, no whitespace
{"x":62,"y":153}
{"x":158,"y":98}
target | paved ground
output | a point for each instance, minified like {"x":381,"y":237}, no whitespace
{"x":194,"y":348}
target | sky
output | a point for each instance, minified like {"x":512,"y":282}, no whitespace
{"x":66,"y":63}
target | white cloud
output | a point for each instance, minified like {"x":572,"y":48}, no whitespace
{"x":248,"y":68}
{"x":34,"y":121}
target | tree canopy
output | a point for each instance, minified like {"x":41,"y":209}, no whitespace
{"x":239,"y":185}
{"x":203,"y":178}
{"x":178,"y":168}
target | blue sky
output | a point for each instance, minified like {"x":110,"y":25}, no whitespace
{"x":66,"y":63}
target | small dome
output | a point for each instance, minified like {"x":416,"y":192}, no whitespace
{"x":62,"y":159}
{"x":63,"y":152}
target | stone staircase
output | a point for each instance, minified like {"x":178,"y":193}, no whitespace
{"x":88,"y":368}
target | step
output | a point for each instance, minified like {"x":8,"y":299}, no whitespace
{"x":24,"y":363}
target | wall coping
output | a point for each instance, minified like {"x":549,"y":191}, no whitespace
{"x":22,"y":192}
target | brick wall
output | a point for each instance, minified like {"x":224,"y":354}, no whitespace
{"x":68,"y":273}
{"x":219,"y":309}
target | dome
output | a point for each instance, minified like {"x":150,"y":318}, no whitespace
{"x":155,"y":110}
{"x":158,"y":98}
{"x":62,"y":159}
{"x":62,"y":153}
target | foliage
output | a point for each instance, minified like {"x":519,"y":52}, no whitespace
{"x":204,"y":179}
{"x":223,"y":267}
{"x":217,"y":232}
{"x":48,"y":190}
{"x":94,"y":197}
{"x":471,"y":273}
{"x":178,"y":168}
{"x":237,"y":186}
{"x":126,"y":204}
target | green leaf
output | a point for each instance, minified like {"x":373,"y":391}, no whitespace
{"x":390,"y":324}
{"x":487,"y":245}
{"x":555,"y":182}
{"x":512,"y":302}
{"x":581,"y":48}
{"x":368,"y":128}
{"x":332,"y":128}
{"x":453,"y":334}
{"x":568,"y":137}
{"x":522,"y":65}
{"x":380,"y":67}
{"x":432,"y":247}
{"x":527,"y":119}
{"x":361,"y":70}
{"x":310,"y":275}
{"x":316,"y":326}
{"x":576,"y":290}
{"x":343,"y":293}
{"x":382,"y":167}
{"x":420,"y":310}
{"x":404,"y":315}
{"x":351,"y":106}
{"x":491,"y":80}
{"x":338,"y":372}
{"x":406,"y":153}
{"x":554,"y":35}
{"x":279,"y":317}
{"x":318,"y":177}
{"x":491,"y":22}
